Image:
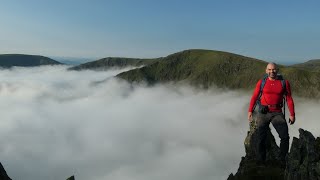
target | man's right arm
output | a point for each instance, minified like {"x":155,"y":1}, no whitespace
{"x":253,"y":100}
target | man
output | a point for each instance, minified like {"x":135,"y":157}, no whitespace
{"x":271,"y":100}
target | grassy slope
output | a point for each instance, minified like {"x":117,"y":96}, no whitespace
{"x":200,"y":67}
{"x":313,"y":65}
{"x":106,"y":63}
{"x":206,"y":68}
{"x":9,"y":60}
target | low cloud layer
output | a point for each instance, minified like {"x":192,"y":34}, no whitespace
{"x":56,"y":123}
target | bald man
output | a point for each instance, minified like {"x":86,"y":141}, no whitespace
{"x":270,"y":110}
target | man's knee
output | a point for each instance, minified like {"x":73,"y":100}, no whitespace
{"x":284,"y":134}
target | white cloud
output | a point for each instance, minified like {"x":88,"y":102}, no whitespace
{"x":55,"y":123}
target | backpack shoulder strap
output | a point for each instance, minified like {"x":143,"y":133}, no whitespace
{"x":283,"y":82}
{"x":263,"y":82}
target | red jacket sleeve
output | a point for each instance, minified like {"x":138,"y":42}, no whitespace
{"x":255,"y":96}
{"x":289,"y":99}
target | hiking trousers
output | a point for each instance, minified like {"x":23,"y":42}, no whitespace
{"x":279,"y":123}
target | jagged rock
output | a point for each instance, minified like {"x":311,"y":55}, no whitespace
{"x":3,"y":174}
{"x":302,"y":163}
{"x":251,"y":143}
{"x":303,"y":160}
{"x":250,"y":168}
{"x":71,"y":178}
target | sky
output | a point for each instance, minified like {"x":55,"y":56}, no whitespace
{"x":57,"y":123}
{"x":280,"y":31}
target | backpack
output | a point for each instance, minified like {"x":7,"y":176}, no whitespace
{"x":264,"y":80}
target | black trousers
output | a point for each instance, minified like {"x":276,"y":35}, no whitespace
{"x":280,"y":125}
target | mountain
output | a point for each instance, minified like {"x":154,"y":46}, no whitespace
{"x":302,"y":161}
{"x":209,"y":68}
{"x":313,"y":65}
{"x":3,"y":173}
{"x":199,"y":67}
{"x":112,"y":62}
{"x":9,"y":60}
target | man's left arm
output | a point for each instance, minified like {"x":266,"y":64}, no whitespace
{"x":290,"y":103}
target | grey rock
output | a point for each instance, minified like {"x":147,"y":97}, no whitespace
{"x":303,"y":160}
{"x":302,"y":163}
{"x":3,"y":173}
{"x":250,"y":168}
{"x":71,"y":178}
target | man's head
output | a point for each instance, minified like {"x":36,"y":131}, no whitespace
{"x":272,"y":70}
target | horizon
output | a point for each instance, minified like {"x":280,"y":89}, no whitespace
{"x":284,"y":32}
{"x":79,"y":60}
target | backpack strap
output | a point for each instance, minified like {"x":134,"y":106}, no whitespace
{"x":263,"y":82}
{"x":283,"y":83}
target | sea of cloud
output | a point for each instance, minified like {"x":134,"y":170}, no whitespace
{"x":57,"y":123}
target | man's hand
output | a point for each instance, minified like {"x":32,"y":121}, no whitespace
{"x":250,"y":116}
{"x":292,"y":119}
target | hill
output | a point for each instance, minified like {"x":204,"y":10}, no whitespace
{"x":111,"y":62}
{"x":208,"y":68}
{"x":313,"y":65}
{"x":200,"y":67}
{"x":9,"y":60}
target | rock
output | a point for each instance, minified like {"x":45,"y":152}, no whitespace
{"x":71,"y":178}
{"x":303,"y":159}
{"x":251,"y":143}
{"x":250,"y":168}
{"x":3,"y":174}
{"x":302,"y":162}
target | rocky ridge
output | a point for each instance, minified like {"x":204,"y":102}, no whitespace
{"x":302,"y":162}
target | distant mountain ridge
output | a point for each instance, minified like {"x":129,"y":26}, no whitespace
{"x":9,"y":60}
{"x":114,"y":62}
{"x":313,"y":65}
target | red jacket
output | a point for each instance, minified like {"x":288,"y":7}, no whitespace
{"x":272,"y":94}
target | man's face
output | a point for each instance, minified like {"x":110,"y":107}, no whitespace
{"x":271,"y":71}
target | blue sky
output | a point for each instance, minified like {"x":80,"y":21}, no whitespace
{"x":281,"y":31}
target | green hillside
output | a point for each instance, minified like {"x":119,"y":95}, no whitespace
{"x":111,"y":62}
{"x":312,"y":65}
{"x":208,"y":68}
{"x":9,"y":60}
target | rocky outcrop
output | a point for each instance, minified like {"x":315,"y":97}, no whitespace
{"x":250,"y":168}
{"x":4,"y":176}
{"x":302,"y":163}
{"x":71,"y":178}
{"x":3,"y":173}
